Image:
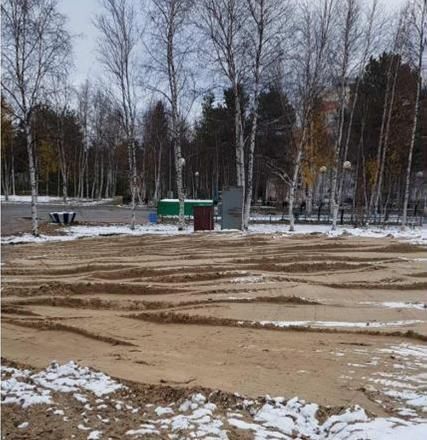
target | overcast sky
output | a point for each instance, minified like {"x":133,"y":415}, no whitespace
{"x":80,"y":14}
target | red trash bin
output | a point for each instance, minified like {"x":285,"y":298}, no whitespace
{"x":203,"y":218}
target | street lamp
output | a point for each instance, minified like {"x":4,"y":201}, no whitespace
{"x":196,"y":178}
{"x":418,"y":190}
{"x":346,"y":167}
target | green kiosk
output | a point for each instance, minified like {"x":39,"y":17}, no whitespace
{"x":170,"y":207}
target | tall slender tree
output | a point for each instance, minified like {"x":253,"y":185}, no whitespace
{"x":310,"y":78}
{"x":117,"y":48}
{"x":172,"y":45}
{"x":418,"y":26}
{"x":35,"y":44}
{"x":224,"y":22}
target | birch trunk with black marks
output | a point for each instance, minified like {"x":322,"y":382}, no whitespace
{"x":117,"y":48}
{"x":366,"y":52}
{"x":33,"y":180}
{"x":421,"y":31}
{"x":348,"y":44}
{"x":176,"y":124}
{"x":378,"y":191}
{"x":35,"y":45}
{"x":293,"y":188}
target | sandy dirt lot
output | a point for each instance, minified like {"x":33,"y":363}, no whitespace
{"x":324,"y":319}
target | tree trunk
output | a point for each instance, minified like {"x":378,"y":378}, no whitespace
{"x":13,"y":170}
{"x":385,"y":142}
{"x":416,"y":111}
{"x":250,"y":170}
{"x":293,"y":188}
{"x":5,"y":180}
{"x":157,"y":182}
{"x":410,"y":154}
{"x":179,"y":165}
{"x":62,"y":160}
{"x":309,"y":204}
{"x":133,"y":182}
{"x":239,"y":139}
{"x":33,"y":181}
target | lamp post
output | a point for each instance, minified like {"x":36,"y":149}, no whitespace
{"x":196,"y":178}
{"x":346,"y":168}
{"x":181,"y":193}
{"x":418,"y":186}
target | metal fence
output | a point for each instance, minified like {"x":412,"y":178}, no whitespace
{"x":346,"y":216}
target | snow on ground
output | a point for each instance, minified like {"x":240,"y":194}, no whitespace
{"x":37,"y":388}
{"x":55,"y":200}
{"x":406,"y":388}
{"x":364,"y":324}
{"x":415,"y":236}
{"x":76,"y":232}
{"x":398,"y":305}
{"x":198,"y":417}
{"x":248,"y":279}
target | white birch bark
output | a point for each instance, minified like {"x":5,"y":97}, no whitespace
{"x":419,"y":16}
{"x":35,"y":44}
{"x":366,"y":52}
{"x":33,"y":182}
{"x":348,"y":42}
{"x":117,"y":50}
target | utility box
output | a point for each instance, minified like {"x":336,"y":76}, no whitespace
{"x":232,"y":206}
{"x":203,"y":218}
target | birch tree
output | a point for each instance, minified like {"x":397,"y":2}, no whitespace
{"x":170,"y":53}
{"x":7,"y":153}
{"x":267,"y":23}
{"x":371,"y":33}
{"x":389,"y":101}
{"x":418,"y":27}
{"x":117,"y":48}
{"x":34,"y":45}
{"x":223,"y":22}
{"x":309,"y":66}
{"x":83,"y":109}
{"x":60,"y":101}
{"x":348,"y":37}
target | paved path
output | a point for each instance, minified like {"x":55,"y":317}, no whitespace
{"x":16,"y":217}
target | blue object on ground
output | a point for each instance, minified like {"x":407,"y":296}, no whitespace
{"x":152,"y":217}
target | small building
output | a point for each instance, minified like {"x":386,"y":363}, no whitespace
{"x":170,"y":207}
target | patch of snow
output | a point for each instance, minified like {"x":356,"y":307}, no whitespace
{"x":399,"y":305}
{"x":141,"y":431}
{"x":80,"y":397}
{"x":248,"y":279}
{"x":275,"y":418}
{"x":23,"y":425}
{"x":55,"y":200}
{"x":83,"y":427}
{"x":67,"y":378}
{"x":415,"y":236}
{"x":160,"y":410}
{"x":71,"y":377}
{"x":15,"y":391}
{"x":367,"y":324}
